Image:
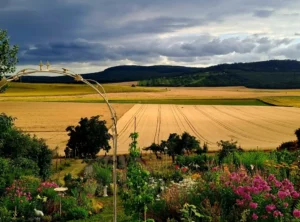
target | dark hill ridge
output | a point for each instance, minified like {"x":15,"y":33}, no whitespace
{"x":266,"y":74}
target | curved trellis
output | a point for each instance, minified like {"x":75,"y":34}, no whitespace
{"x":98,"y":88}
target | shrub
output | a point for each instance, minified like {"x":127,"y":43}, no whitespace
{"x":5,"y":215}
{"x":197,"y":162}
{"x":227,"y":148}
{"x":76,"y":213}
{"x":102,"y":174}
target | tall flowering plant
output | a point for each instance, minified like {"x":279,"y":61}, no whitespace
{"x":264,"y":199}
{"x":18,"y":198}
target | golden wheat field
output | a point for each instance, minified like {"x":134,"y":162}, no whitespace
{"x":254,"y":127}
{"x":49,"y":120}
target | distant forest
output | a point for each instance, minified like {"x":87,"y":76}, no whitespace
{"x":283,"y":74}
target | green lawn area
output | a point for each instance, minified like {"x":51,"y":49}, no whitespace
{"x":76,"y":166}
{"x":230,"y":102}
{"x":106,"y":215}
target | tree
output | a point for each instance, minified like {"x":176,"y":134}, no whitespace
{"x":227,"y":148}
{"x":177,"y":144}
{"x":8,"y":55}
{"x":174,"y":144}
{"x":88,"y":138}
{"x":189,"y":142}
{"x":155,"y":148}
{"x":28,"y":155}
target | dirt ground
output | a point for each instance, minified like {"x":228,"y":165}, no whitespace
{"x":49,"y":120}
{"x":254,"y":127}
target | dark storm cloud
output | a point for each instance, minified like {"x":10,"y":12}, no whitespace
{"x":263,"y":13}
{"x":202,"y":46}
{"x":102,"y":30}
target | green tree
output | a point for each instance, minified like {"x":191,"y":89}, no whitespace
{"x":189,"y":142}
{"x":174,"y":144}
{"x":137,"y":195}
{"x":28,"y":155}
{"x":155,"y":148}
{"x":8,"y":55}
{"x":88,"y":138}
{"x":227,"y":148}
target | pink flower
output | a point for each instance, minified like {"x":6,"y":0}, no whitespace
{"x":295,"y":194}
{"x":285,"y":204}
{"x":253,"y":205}
{"x":296,"y":213}
{"x":270,"y":208}
{"x":277,"y":213}
{"x":254,"y":216}
{"x":239,"y":202}
{"x":271,"y":177}
{"x":282,"y":195}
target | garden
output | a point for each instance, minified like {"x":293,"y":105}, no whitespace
{"x":176,"y":180}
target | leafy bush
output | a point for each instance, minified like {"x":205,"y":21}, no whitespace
{"x":197,"y":162}
{"x":5,"y":215}
{"x":227,"y":148}
{"x":102,"y":174}
{"x":251,"y":160}
{"x":76,"y":213}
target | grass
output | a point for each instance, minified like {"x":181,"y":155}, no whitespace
{"x":230,"y":102}
{"x":41,"y":89}
{"x":76,"y":167}
{"x":283,"y":100}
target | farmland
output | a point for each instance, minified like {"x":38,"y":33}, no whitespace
{"x":225,"y":113}
{"x":253,"y":127}
{"x":49,"y":120}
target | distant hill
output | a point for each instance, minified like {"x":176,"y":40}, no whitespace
{"x":266,"y":74}
{"x":120,"y":74}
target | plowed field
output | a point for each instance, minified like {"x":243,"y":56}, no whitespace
{"x":254,"y":127}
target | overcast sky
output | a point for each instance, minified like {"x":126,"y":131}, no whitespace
{"x":91,"y":35}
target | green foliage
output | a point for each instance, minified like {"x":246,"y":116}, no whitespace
{"x":266,"y":74}
{"x":251,"y":160}
{"x":103,"y":174}
{"x":197,"y":162}
{"x":190,"y":213}
{"x":227,"y":148}
{"x":76,"y":213}
{"x":137,"y":195}
{"x":177,"y":145}
{"x":155,"y":148}
{"x":5,"y":215}
{"x":8,"y":54}
{"x":28,"y":155}
{"x":88,"y":138}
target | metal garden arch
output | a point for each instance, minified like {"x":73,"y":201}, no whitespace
{"x":99,"y":89}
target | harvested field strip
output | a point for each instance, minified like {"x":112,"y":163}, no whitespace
{"x":258,"y":130}
{"x":157,"y":131}
{"x":235,"y":115}
{"x":130,"y":120}
{"x":234,"y":130}
{"x":192,"y":127}
{"x":138,"y":115}
{"x":264,"y":119}
{"x":176,"y":119}
{"x":280,"y":115}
